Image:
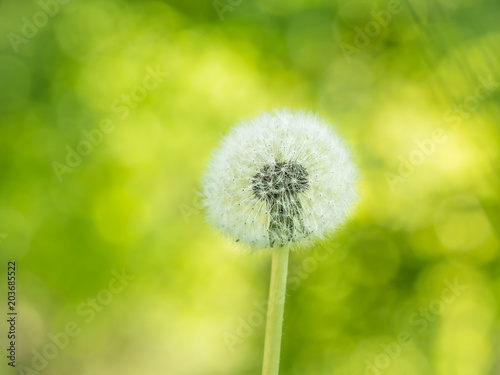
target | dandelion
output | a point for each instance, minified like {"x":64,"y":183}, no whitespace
{"x":283,"y":181}
{"x":282,"y":178}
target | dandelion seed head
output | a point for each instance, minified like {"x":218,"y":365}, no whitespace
{"x":280,"y":178}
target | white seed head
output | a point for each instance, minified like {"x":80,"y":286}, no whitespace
{"x":281,"y":178}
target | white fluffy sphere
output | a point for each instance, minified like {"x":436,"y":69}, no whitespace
{"x":281,"y":178}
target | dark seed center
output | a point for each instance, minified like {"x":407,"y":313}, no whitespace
{"x":279,"y":184}
{"x":279,"y":180}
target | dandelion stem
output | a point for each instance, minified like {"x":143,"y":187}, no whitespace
{"x":275,"y":308}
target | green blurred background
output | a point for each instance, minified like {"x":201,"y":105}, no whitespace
{"x":155,"y":84}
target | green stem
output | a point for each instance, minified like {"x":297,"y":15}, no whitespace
{"x":275,"y":310}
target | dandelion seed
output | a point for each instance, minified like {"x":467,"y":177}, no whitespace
{"x":292,"y":162}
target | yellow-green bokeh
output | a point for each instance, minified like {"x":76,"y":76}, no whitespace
{"x":428,"y":216}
